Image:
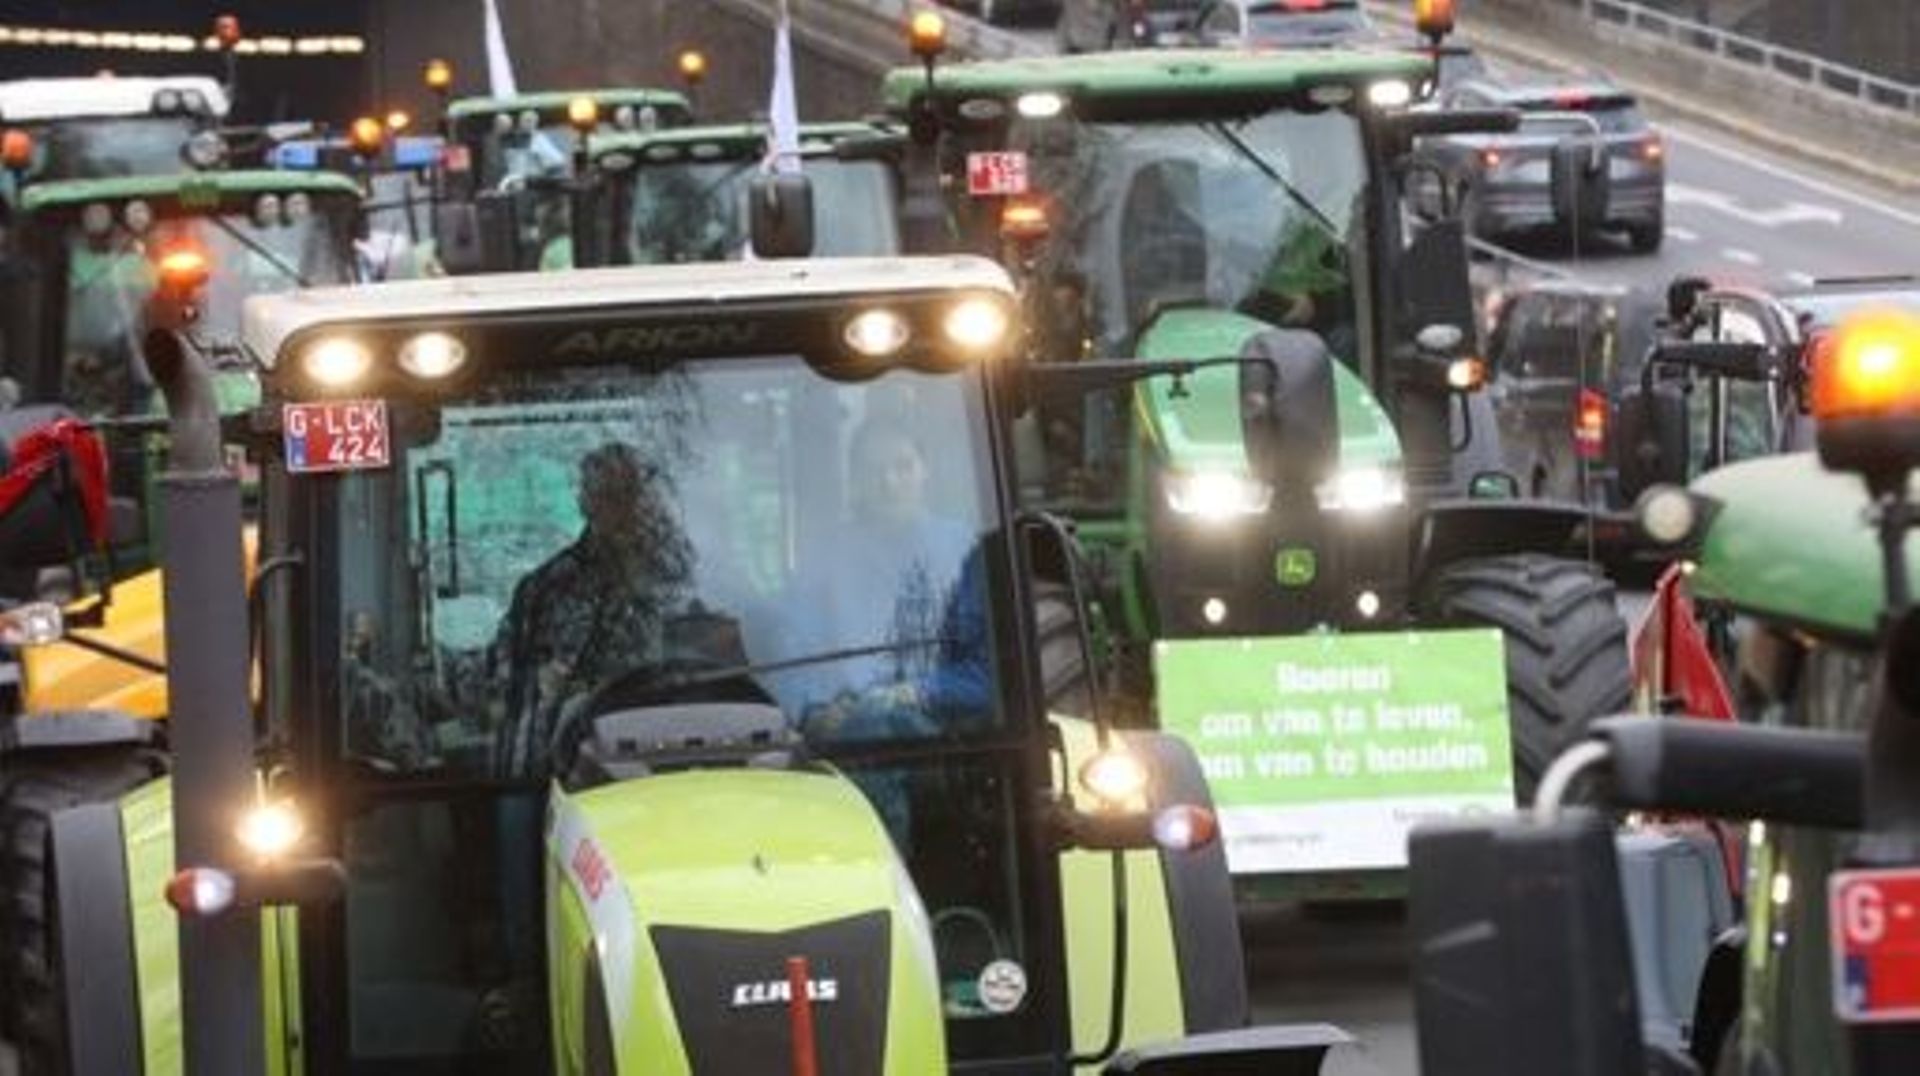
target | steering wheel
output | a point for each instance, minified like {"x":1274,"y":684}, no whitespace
{"x":661,"y":683}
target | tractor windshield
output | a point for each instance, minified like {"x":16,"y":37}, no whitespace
{"x":1256,"y":214}
{"x":111,"y":275}
{"x":100,"y":147}
{"x":604,"y":530}
{"x":697,"y":212}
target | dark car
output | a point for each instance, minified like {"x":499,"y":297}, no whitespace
{"x":1615,"y":158}
{"x":1008,"y":12}
{"x":1287,"y":24}
{"x":1097,"y":25}
{"x":1561,"y":351}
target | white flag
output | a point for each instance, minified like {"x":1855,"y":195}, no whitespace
{"x":499,"y":65}
{"x":783,"y":110}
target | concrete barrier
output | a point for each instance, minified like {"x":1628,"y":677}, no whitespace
{"x":1831,"y":131}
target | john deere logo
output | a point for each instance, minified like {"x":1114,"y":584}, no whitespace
{"x":1295,"y":567}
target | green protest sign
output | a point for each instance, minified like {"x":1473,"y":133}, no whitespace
{"x":1323,"y":750}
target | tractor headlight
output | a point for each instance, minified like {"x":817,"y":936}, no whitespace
{"x":1040,"y":106}
{"x":32,"y":624}
{"x":270,"y":830}
{"x":337,"y":361}
{"x":1667,"y":514}
{"x":1116,"y":777}
{"x":432,"y":355}
{"x":1389,"y":93}
{"x":1362,"y":489}
{"x":876,"y":334}
{"x":206,"y":149}
{"x":1217,"y":495}
{"x":976,"y":324}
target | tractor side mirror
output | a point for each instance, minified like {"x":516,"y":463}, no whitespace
{"x":1486,"y":897}
{"x":781,"y":210}
{"x":1434,"y":286}
{"x":499,"y":230}
{"x":1578,"y":182}
{"x":456,"y":235}
{"x":1655,"y":437}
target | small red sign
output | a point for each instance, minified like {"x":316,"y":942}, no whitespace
{"x":591,"y":868}
{"x":456,"y":157}
{"x":1876,"y":944}
{"x":339,"y":435}
{"x":994,"y":174}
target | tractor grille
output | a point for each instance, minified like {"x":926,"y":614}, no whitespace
{"x":729,"y":992}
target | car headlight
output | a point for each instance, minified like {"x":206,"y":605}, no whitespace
{"x":1217,"y":495}
{"x":1362,"y":489}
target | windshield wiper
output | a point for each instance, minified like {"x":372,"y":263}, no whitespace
{"x":1240,"y":146}
{"x":254,"y":245}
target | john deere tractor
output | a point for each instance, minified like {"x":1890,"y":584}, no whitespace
{"x":513,"y":165}
{"x":681,"y":195}
{"x":95,"y":128}
{"x":658,"y":677}
{"x":87,"y":266}
{"x":1218,"y":203}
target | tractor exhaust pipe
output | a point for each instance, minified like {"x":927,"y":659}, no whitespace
{"x":211,"y":727}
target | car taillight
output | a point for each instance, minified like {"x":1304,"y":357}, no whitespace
{"x":1653,"y":149}
{"x":1590,"y":425}
{"x":1490,"y":159}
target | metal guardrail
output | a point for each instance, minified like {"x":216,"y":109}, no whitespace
{"x":966,"y":37}
{"x":1802,"y":67}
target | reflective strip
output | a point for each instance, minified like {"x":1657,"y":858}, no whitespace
{"x":602,"y":893}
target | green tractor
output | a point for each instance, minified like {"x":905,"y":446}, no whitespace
{"x":658,"y":678}
{"x":681,"y":195}
{"x":1812,"y":551}
{"x":96,"y":128}
{"x":513,"y":166}
{"x":1217,"y":203}
{"x":83,"y":704}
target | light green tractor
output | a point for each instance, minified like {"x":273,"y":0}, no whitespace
{"x":656,"y":677}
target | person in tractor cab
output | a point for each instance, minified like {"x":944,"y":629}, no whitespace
{"x":107,"y":287}
{"x":935,"y":678}
{"x":592,"y":610}
{"x":1306,"y":286}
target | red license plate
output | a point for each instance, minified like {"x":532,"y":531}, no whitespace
{"x":993,"y":174}
{"x":339,"y":435}
{"x":1876,"y":944}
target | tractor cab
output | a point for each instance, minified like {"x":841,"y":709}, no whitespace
{"x":683,"y":195}
{"x":98,"y":128}
{"x":515,"y":160}
{"x":659,"y":678}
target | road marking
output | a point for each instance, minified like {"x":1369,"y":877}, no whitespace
{"x":1777,"y":217}
{"x":1801,"y":280}
{"x":1684,"y":235}
{"x":1761,"y":164}
{"x":1744,"y":257}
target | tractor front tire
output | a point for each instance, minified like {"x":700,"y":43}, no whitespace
{"x":32,"y":790}
{"x":1567,"y":660}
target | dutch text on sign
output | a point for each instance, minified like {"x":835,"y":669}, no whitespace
{"x":1323,"y":751}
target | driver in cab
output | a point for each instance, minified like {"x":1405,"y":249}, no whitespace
{"x":594,"y":609}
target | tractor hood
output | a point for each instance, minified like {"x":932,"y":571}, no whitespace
{"x":1199,"y":429}
{"x":685,"y":895}
{"x":1788,"y":541}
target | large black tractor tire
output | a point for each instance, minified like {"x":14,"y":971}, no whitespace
{"x":32,"y":791}
{"x":1567,"y":661}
